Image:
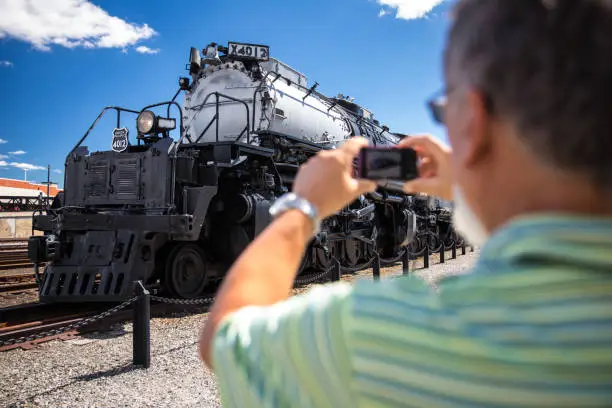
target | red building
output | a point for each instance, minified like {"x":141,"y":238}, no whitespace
{"x":21,"y":188}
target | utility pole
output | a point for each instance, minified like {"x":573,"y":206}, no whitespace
{"x":48,"y":179}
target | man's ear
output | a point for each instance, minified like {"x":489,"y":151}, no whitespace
{"x":477,"y":132}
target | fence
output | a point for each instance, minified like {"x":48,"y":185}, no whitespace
{"x":23,"y":203}
{"x":141,"y":336}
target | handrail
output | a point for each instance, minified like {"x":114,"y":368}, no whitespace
{"x":119,"y":109}
{"x":215,"y":118}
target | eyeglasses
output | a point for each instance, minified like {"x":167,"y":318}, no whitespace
{"x":437,"y":104}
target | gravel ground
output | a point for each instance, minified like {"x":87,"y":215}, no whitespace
{"x":95,"y":370}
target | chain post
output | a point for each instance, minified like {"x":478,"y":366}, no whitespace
{"x":454,"y":250}
{"x":463,"y":248}
{"x":471,"y":248}
{"x":376,"y":266}
{"x":141,"y":338}
{"x":406,"y":262}
{"x":442,"y":252}
{"x":336,"y":271}
{"x":426,"y":256}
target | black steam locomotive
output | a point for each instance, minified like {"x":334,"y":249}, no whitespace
{"x":176,"y":212}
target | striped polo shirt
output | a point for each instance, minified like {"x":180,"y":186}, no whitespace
{"x":530,"y":326}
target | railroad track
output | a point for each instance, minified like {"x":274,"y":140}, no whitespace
{"x":30,"y":319}
{"x":33,"y":318}
{"x":14,"y":253}
{"x":17,"y":282}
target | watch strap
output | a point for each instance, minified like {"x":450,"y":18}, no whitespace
{"x":291,"y":201}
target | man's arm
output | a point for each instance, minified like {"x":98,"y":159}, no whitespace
{"x":292,"y":353}
{"x":263,"y":274}
{"x":265,"y":271}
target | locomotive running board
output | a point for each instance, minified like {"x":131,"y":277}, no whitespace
{"x":223,"y":154}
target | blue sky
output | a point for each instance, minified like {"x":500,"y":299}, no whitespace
{"x":62,"y":61}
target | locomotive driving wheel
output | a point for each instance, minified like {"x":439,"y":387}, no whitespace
{"x":415,"y":246}
{"x":352,"y":252}
{"x":186,"y":272}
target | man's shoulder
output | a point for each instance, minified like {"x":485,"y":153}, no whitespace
{"x":420,"y":287}
{"x":429,"y":303}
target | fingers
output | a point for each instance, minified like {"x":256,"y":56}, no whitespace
{"x":353,"y":145}
{"x":418,"y":139}
{"x":427,"y":168}
{"x":425,"y":143}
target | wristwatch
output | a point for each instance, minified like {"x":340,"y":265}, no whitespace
{"x":291,"y":201}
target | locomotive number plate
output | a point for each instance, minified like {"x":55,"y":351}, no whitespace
{"x":120,"y":139}
{"x":252,"y":51}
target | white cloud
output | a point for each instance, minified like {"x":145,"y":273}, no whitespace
{"x":68,"y":23}
{"x":146,"y":50}
{"x":17,"y":152}
{"x":2,"y":141}
{"x":58,"y":171}
{"x":3,"y":156}
{"x":409,"y":9}
{"x":6,"y":64}
{"x":25,"y":166}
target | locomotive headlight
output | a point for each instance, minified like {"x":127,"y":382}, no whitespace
{"x":145,"y":122}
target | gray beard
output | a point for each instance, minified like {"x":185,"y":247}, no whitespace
{"x":465,"y":221}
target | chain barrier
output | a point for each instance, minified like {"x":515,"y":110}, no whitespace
{"x":73,"y":326}
{"x":142,"y":316}
{"x":355,"y":269}
{"x":309,"y":279}
{"x":176,"y":301}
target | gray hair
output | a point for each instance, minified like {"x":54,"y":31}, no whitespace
{"x":546,"y":66}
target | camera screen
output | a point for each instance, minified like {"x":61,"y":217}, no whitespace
{"x":384,"y":164}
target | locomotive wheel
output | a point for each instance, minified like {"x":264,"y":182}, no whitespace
{"x":322,"y":260}
{"x":434,"y":242}
{"x":352,"y":252}
{"x":415,"y":246}
{"x":186,"y":272}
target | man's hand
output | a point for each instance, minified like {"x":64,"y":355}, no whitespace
{"x":326,"y":180}
{"x":435,"y":174}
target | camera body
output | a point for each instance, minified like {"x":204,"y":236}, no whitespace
{"x":387,"y":164}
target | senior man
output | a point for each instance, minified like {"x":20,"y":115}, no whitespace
{"x":529,"y":117}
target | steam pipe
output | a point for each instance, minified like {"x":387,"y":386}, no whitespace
{"x":376,"y":196}
{"x":364,"y":211}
